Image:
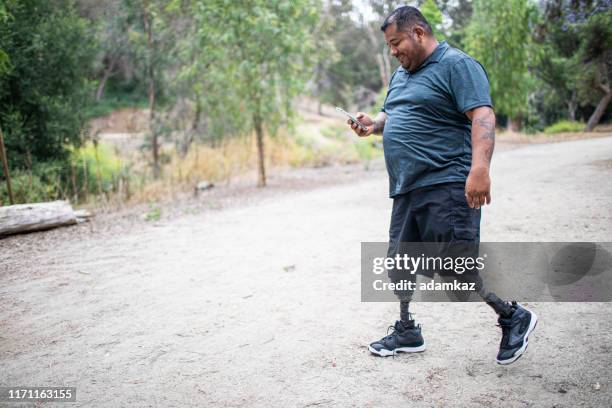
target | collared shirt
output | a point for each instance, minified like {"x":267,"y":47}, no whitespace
{"x":427,"y":136}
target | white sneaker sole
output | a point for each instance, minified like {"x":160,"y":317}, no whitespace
{"x":519,"y":352}
{"x":386,"y":353}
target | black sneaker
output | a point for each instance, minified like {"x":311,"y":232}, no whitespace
{"x":515,"y":333}
{"x":405,"y":338}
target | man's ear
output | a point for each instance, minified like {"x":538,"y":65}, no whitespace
{"x":419,"y":32}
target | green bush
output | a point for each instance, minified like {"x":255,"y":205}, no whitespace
{"x":564,"y":126}
{"x":96,"y":169}
{"x":90,"y":170}
{"x":27,"y":188}
{"x":44,"y":94}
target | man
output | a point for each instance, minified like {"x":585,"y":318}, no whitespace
{"x":438,"y":130}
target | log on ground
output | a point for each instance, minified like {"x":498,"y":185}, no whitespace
{"x":20,"y":218}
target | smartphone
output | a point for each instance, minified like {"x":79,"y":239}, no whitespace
{"x":352,"y":118}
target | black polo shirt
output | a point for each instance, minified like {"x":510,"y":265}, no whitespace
{"x":427,"y":136}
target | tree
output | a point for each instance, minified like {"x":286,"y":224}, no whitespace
{"x":554,"y":62}
{"x":4,"y":59}
{"x":459,"y":13}
{"x":363,"y":66}
{"x":573,"y":56}
{"x":45,"y":91}
{"x":378,"y":47}
{"x":498,"y":37}
{"x":267,"y":47}
{"x":153,"y":41}
{"x":113,"y":27}
{"x":207,"y":106}
{"x":148,"y":16}
{"x":326,"y":54}
{"x":433,"y":15}
{"x":596,"y":54}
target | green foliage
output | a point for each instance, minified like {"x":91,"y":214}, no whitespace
{"x":460,"y":13}
{"x":573,"y":57}
{"x":565,"y":126}
{"x":595,"y":54}
{"x":354,"y":67}
{"x":43,"y":95}
{"x":5,"y":62}
{"x":204,"y":74}
{"x":99,"y":164}
{"x":4,"y":58}
{"x":433,"y":15}
{"x":326,"y":55}
{"x":116,"y":25}
{"x":498,"y":37}
{"x":30,"y":187}
{"x":89,"y":170}
{"x":269,"y":46}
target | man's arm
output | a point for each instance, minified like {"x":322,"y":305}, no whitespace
{"x":478,"y":185}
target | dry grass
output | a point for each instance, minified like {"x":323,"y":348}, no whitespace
{"x":315,"y":141}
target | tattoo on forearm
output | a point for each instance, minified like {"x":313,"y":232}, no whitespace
{"x":489,"y":127}
{"x":379,"y":125}
{"x":485,"y":135}
{"x":488,"y":152}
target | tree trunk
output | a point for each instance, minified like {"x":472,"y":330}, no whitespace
{"x":107,"y":73}
{"x":5,"y":168}
{"x":387,"y":67}
{"x":98,"y":172}
{"x":194,"y":128}
{"x":381,"y":68}
{"x":261,"y":182}
{"x":572,"y":105}
{"x":151,"y":77}
{"x":380,"y":58}
{"x":599,"y":111}
{"x":514,"y":124}
{"x":19,"y":218}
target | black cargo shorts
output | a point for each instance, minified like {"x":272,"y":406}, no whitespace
{"x":439,"y":217}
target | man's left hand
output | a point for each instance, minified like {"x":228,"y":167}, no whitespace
{"x":478,"y":188}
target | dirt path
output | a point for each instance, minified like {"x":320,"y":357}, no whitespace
{"x":259,"y":305}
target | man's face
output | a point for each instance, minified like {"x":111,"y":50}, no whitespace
{"x":406,"y":46}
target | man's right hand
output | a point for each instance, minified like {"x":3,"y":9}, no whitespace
{"x":365,"y":120}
